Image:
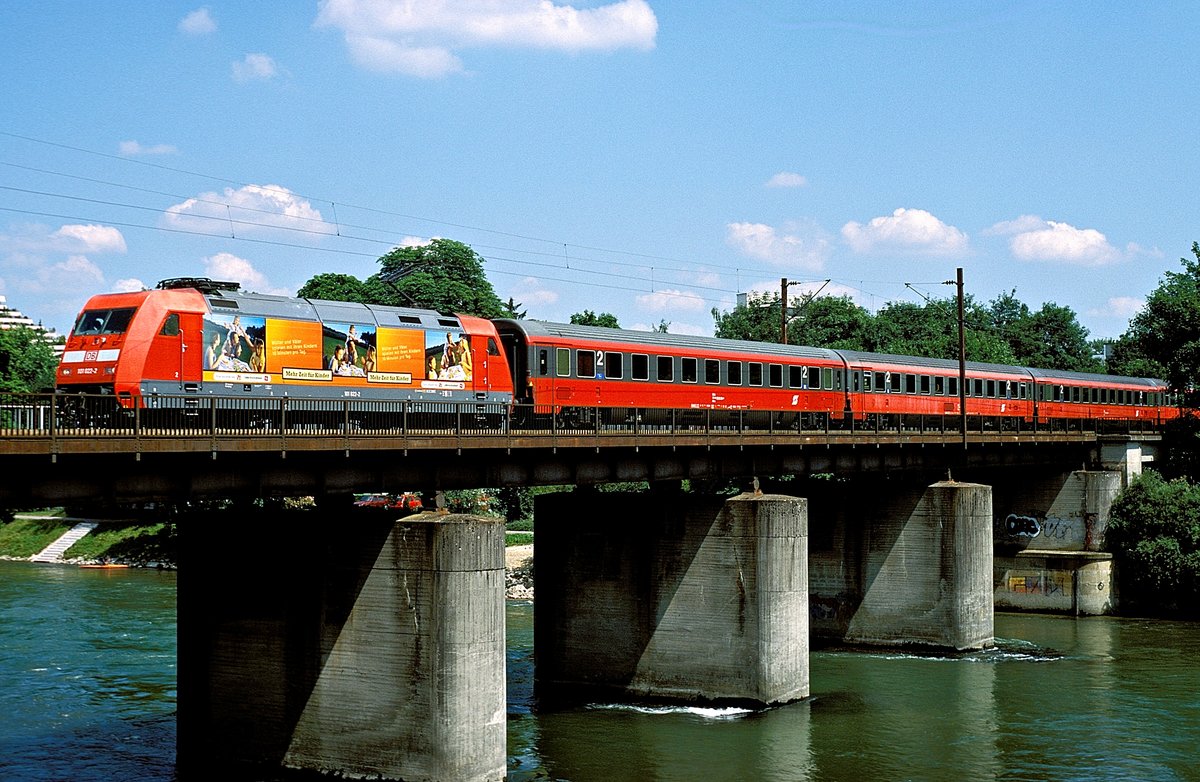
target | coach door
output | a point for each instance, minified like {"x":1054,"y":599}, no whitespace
{"x":174,"y":354}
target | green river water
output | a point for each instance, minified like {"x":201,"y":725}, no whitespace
{"x":87,"y":692}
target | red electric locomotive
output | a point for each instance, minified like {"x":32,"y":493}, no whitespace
{"x":196,"y":337}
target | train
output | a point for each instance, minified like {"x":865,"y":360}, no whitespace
{"x":191,"y":338}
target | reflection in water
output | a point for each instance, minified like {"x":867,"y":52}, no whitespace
{"x":87,"y":693}
{"x":1058,"y":698}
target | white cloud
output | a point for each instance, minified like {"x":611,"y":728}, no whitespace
{"x":198,"y":22}
{"x":134,"y":149}
{"x":226,"y":266}
{"x":255,"y":67}
{"x":1020,"y":225}
{"x":913,"y":230}
{"x":531,"y":292}
{"x":416,"y":241}
{"x":672,"y":300}
{"x":1066,"y":244}
{"x":806,"y":247}
{"x":1119,"y":307}
{"x":129,"y":285}
{"x":419,"y":37}
{"x":786,"y":179}
{"x":89,"y":238}
{"x":76,"y":273}
{"x":250,"y":209}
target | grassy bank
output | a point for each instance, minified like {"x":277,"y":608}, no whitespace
{"x":133,"y":542}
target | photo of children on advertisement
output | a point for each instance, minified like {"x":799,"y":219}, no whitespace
{"x":349,"y":349}
{"x":447,"y":356}
{"x":233,"y":343}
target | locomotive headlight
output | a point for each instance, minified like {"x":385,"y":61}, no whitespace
{"x":110,"y":370}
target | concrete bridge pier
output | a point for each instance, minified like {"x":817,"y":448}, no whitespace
{"x":671,"y":597}
{"x":1049,"y":538}
{"x":895,"y":563}
{"x":361,"y":647}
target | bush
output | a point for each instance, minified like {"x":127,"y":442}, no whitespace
{"x":1154,"y":534}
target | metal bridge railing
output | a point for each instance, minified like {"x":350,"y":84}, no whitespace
{"x":73,"y":416}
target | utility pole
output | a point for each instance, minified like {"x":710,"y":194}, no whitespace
{"x":962,"y":361}
{"x":783,"y":310}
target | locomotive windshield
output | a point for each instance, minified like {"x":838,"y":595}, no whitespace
{"x":104,"y":321}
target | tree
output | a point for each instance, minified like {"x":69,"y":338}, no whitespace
{"x":513,"y":309}
{"x":931,"y":330}
{"x":27,"y":362}
{"x":588,"y":318}
{"x":830,"y":322}
{"x":1051,"y":338}
{"x":1166,"y":333}
{"x":332,"y":286}
{"x":1154,"y":533}
{"x":757,"y":320}
{"x":443,"y":275}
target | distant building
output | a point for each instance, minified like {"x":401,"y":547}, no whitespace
{"x":14,"y":319}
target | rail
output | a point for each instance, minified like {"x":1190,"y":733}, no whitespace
{"x":58,"y":423}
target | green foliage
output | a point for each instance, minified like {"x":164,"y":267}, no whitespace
{"x":443,"y":275}
{"x":518,"y":538}
{"x":588,"y":318}
{"x":27,"y":362}
{"x":25,"y":537}
{"x":1005,"y":332}
{"x":513,"y":309}
{"x":1167,"y":330}
{"x":757,"y":320}
{"x":477,"y":502}
{"x":332,"y":286}
{"x":515,"y":503}
{"x":1154,"y":533}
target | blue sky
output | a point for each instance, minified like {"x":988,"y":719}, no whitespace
{"x":641,"y":157}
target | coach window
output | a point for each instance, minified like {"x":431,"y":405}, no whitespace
{"x":639,"y":366}
{"x":837,"y":380}
{"x":796,"y":377}
{"x":666,"y":369}
{"x":991,"y":389}
{"x":939,"y":386}
{"x":775,"y":376}
{"x":712,"y":371}
{"x":615,"y":368}
{"x":688,"y":370}
{"x":952,"y":386}
{"x":756,"y":373}
{"x":910,"y":384}
{"x":733,"y":373}
{"x":1023,"y":390}
{"x":881,"y":382}
{"x":925,"y":384}
{"x":978,"y":387}
{"x":868,"y":381}
{"x":585,"y":363}
{"x":543,"y":362}
{"x":856,"y":381}
{"x":563,"y":362}
{"x":170,"y":327}
{"x":827,"y":379}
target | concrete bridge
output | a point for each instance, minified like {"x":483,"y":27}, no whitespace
{"x":375,"y":648}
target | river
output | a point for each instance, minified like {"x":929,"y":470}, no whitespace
{"x":87,"y":693}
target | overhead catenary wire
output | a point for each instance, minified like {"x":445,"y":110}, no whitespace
{"x":335,"y":228}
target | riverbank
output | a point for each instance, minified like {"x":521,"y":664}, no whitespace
{"x":518,"y":572}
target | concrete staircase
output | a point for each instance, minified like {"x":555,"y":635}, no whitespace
{"x":54,"y":552}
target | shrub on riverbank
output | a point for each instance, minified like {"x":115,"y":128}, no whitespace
{"x":1154,"y":533}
